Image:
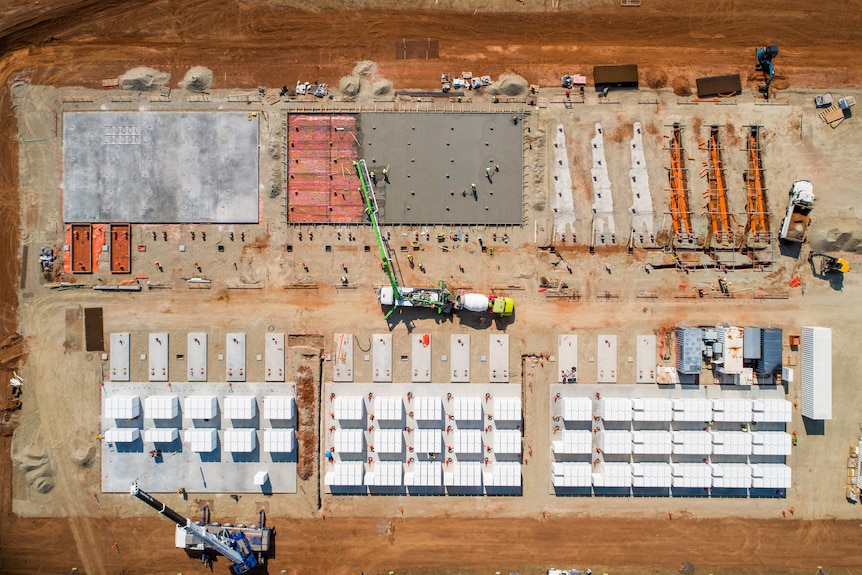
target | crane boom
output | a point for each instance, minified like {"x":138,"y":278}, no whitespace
{"x":236,"y":549}
{"x":371,"y":209}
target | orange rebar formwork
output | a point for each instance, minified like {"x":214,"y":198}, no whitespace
{"x":81,"y":248}
{"x":121,"y":249}
{"x":719,"y":216}
{"x":321,"y":181}
{"x":758,"y":211}
{"x":679,"y":206}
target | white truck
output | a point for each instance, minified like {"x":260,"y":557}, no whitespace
{"x":794,"y":226}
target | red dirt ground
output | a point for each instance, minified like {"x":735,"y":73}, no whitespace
{"x":247,"y":44}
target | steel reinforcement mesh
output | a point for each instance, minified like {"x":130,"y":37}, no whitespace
{"x":322,"y":185}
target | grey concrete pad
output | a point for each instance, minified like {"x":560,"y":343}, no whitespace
{"x":235,"y":345}
{"x":159,"y":356}
{"x":607,"y":354}
{"x":499,"y":358}
{"x":646,"y":359}
{"x":342,"y":362}
{"x":274,"y":352}
{"x":382,"y":354}
{"x":120,"y":351}
{"x":160,"y":167}
{"x":567,"y":352}
{"x":197,"y":357}
{"x":421,"y":356}
{"x":216,"y":472}
{"x":460,"y":357}
{"x":432,"y":157}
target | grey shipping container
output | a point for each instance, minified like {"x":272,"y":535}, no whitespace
{"x":751,"y":343}
{"x":771,"y":351}
{"x":689,"y":350}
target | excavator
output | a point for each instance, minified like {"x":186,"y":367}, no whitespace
{"x":829,"y":264}
{"x":764,"y":64}
{"x":439,"y":298}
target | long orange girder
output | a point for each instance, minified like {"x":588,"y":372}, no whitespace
{"x":679,"y":209}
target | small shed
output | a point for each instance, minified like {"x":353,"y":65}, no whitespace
{"x":618,"y":76}
{"x":261,"y":478}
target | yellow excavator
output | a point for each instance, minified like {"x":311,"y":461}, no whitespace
{"x":829,"y":264}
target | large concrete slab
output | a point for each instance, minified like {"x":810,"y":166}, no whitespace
{"x":432,"y":160}
{"x":421,"y":348}
{"x":235,"y":357}
{"x":460,"y":357}
{"x":646,"y":359}
{"x":342,"y":357}
{"x":158,"y":356}
{"x":160,"y":167}
{"x":567,"y":358}
{"x":120,"y":356}
{"x":499,"y":358}
{"x":197,"y":356}
{"x":216,"y":472}
{"x":274,"y":351}
{"x":607,"y":359}
{"x":382,"y":352}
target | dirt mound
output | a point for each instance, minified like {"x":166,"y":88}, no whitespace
{"x":381,"y":87}
{"x":349,"y":85}
{"x":306,"y":435}
{"x":365,"y":69}
{"x":509,"y":85}
{"x":681,"y":86}
{"x":143,"y":79}
{"x":36,"y":466}
{"x":12,"y":351}
{"x":656,"y":79}
{"x":83,"y":454}
{"x":836,"y":234}
{"x":197,"y":79}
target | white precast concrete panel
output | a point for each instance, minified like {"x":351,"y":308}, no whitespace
{"x":652,"y":442}
{"x":507,"y":409}
{"x":692,"y":409}
{"x":503,"y":474}
{"x":731,"y":443}
{"x":389,"y":441}
{"x":507,"y":441}
{"x":463,"y":474}
{"x":346,"y":474}
{"x":577,"y":408}
{"x":770,"y":476}
{"x":274,"y":353}
{"x":771,"y":410}
{"x":381,"y":353}
{"x":279,"y":407}
{"x":421,"y":343}
{"x":122,"y":407}
{"x":240,"y":440}
{"x":731,"y":475}
{"x":692,"y":443}
{"x":651,"y":475}
{"x":573,"y":442}
{"x":342,"y":361}
{"x":424,"y":474}
{"x":770,"y":443}
{"x":200,"y":407}
{"x":348,"y":408}
{"x":427,"y":441}
{"x":652,"y":409}
{"x":279,"y":440}
{"x":572,"y":474}
{"x":388,"y":408}
{"x":614,"y":474}
{"x":603,"y":203}
{"x":122,"y":435}
{"x":692,"y":475}
{"x":161,"y":435}
{"x":120,"y":354}
{"x":427,"y":408}
{"x":235,"y":357}
{"x":735,"y":410}
{"x":161,"y":406}
{"x":349,"y":440}
{"x":563,"y":201}
{"x":646,"y":358}
{"x":616,"y":442}
{"x":202,"y":440}
{"x":498,"y":358}
{"x":241,"y":407}
{"x":460,"y":357}
{"x":616,"y":408}
{"x":197,"y":356}
{"x":607,"y":359}
{"x":158,"y":356}
{"x":641,"y":208}
{"x":567,"y":354}
{"x":468,"y":408}
{"x":468,"y":441}
{"x":385,"y":474}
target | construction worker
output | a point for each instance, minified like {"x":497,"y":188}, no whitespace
{"x":473,"y":188}
{"x":385,"y":175}
{"x":373,"y":178}
{"x":181,"y":491}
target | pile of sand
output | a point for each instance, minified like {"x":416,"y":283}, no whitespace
{"x":349,"y":85}
{"x":197,"y":79}
{"x":35,"y":465}
{"x":656,"y":79}
{"x":365,"y":69}
{"x":143,"y":79}
{"x":381,"y":87}
{"x":509,"y":85}
{"x":836,"y":234}
{"x":681,"y":87}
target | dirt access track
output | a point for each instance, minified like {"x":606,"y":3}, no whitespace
{"x":246,"y":44}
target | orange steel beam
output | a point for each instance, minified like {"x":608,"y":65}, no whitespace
{"x":679,"y":209}
{"x":757,"y":215}
{"x":718,"y":212}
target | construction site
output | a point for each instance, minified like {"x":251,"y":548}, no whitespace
{"x":429,"y":298}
